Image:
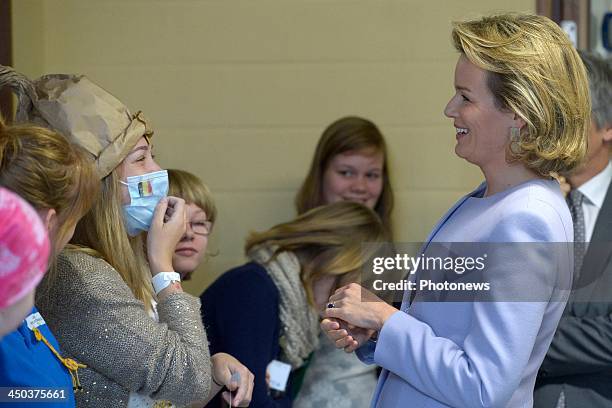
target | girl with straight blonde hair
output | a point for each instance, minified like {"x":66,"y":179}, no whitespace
{"x":268,"y":309}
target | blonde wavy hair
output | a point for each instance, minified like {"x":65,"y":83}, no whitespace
{"x":328,"y":240}
{"x":42,"y":167}
{"x":535,"y":72}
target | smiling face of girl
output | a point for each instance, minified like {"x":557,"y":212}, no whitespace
{"x":354,"y":176}
{"x":138,"y":162}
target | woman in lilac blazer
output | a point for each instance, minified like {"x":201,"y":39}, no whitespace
{"x":521,"y":111}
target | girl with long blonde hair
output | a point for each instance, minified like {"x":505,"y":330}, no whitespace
{"x":268,"y":309}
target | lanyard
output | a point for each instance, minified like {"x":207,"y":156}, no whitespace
{"x":70,"y":364}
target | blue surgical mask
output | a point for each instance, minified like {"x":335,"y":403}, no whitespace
{"x":145,"y":192}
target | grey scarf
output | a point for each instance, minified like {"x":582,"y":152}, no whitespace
{"x":299,"y":321}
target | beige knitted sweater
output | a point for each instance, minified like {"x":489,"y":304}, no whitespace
{"x":98,"y":321}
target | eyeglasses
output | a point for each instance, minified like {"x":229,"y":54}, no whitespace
{"x":201,"y":227}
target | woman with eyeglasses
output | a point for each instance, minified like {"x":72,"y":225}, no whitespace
{"x":201,"y":214}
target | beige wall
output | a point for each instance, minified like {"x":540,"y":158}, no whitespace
{"x":239,"y":91}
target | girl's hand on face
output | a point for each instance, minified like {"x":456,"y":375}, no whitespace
{"x":359,"y":307}
{"x":235,"y":377}
{"x":167,"y":227}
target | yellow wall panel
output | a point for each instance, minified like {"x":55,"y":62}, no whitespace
{"x":239,"y":91}
{"x":29,"y":31}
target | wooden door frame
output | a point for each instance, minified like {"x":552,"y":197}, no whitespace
{"x":576,"y":10}
{"x":6,"y":56}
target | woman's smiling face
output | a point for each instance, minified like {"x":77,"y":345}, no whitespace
{"x":482,"y":128}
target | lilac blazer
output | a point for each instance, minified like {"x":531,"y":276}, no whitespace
{"x":479,"y":354}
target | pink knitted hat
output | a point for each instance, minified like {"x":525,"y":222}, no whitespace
{"x":24,"y":248}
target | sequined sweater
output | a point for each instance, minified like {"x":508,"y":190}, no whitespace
{"x":98,"y":321}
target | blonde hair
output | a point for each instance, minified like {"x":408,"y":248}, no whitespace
{"x":328,"y":241}
{"x":42,"y":167}
{"x":102,"y":233}
{"x":534,"y":71}
{"x":191,"y":189}
{"x":351,"y":133}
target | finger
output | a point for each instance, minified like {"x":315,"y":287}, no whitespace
{"x":344,"y":296}
{"x":344,"y":342}
{"x":178,"y":207}
{"x":337,"y":334}
{"x":354,"y":286}
{"x":240,"y":384}
{"x":336,"y":302}
{"x":227,"y":397}
{"x":235,"y":380}
{"x":239,"y":394}
{"x":336,"y":312}
{"x":337,"y":295}
{"x":241,"y":398}
{"x":177,"y":223}
{"x":160,"y":211}
{"x":249,"y":394}
{"x":352,"y":346}
{"x":329,"y":324}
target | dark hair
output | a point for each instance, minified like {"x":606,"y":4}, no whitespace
{"x":599,"y":72}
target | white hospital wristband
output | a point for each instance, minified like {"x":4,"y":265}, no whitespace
{"x":164,"y":279}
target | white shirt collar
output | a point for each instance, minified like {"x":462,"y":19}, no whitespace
{"x":595,"y":189}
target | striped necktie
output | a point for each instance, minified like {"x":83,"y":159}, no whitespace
{"x":575,"y":199}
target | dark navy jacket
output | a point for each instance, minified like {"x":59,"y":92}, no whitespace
{"x":240,"y":314}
